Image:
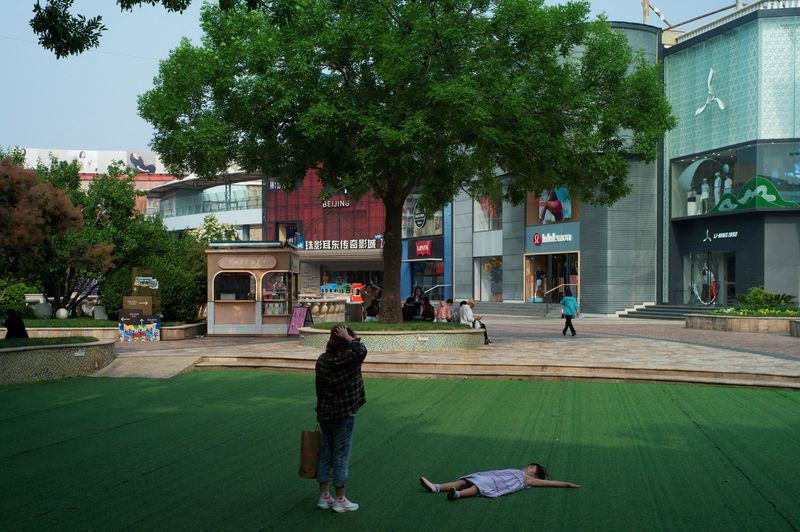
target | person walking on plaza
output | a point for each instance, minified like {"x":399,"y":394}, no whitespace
{"x":569,"y":310}
{"x":340,"y":393}
{"x":495,"y":483}
{"x":466,"y":317}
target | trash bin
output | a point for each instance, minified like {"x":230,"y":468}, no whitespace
{"x":353,"y":312}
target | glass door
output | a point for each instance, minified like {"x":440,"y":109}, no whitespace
{"x":709,"y":278}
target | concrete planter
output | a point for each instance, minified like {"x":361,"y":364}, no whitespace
{"x":51,"y":362}
{"x":177,"y":332}
{"x":402,"y":340}
{"x":709,"y":322}
{"x":101,"y":333}
{"x":184,"y":332}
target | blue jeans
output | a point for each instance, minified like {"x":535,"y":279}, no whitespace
{"x":337,"y":439}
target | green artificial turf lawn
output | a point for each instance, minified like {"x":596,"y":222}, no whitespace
{"x":219,"y":451}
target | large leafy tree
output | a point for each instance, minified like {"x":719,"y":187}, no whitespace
{"x":393,"y":96}
{"x":66,"y":33}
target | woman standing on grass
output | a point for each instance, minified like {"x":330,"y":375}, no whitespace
{"x":495,"y":483}
{"x":340,"y":393}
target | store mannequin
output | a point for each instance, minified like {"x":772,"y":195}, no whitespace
{"x":727,"y":181}
{"x":704,"y":190}
{"x":717,"y":188}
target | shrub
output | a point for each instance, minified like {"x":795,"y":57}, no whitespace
{"x":12,"y":294}
{"x":113,"y":287}
{"x":757,"y":298}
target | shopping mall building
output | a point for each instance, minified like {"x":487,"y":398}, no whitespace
{"x":732,"y":165}
{"x":532,"y":253}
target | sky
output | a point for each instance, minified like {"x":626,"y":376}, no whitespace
{"x":89,"y":101}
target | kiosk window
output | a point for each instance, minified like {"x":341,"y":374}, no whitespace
{"x":235,"y":286}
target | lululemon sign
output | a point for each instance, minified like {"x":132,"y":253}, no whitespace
{"x":552,"y":238}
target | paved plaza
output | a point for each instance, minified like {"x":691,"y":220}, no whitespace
{"x":605,"y":348}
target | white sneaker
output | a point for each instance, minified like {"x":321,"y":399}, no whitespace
{"x":429,"y":486}
{"x":341,"y":504}
{"x":325,"y":502}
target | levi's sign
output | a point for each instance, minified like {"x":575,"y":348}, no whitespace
{"x":424,"y":247}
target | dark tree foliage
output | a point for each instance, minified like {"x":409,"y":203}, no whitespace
{"x":64,"y":33}
{"x":32,"y":213}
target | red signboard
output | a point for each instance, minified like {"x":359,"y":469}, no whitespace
{"x":424,"y":247}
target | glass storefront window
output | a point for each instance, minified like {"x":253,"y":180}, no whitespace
{"x":489,"y":278}
{"x":427,"y":275}
{"x":764,"y":175}
{"x":415,"y":223}
{"x":234,"y":286}
{"x":278,"y":293}
{"x":548,"y":275}
{"x":487,"y":214}
{"x":551,"y":206}
{"x":709,"y":278}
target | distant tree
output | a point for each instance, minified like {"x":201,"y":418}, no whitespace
{"x":213,"y":230}
{"x":388,"y":97}
{"x":65,"y":34}
{"x":32,"y":213}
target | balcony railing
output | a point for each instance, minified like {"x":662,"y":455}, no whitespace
{"x":206,"y":207}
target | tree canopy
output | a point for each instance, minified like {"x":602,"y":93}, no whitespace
{"x":65,"y":33}
{"x":393,"y":96}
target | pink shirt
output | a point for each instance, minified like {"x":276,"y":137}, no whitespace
{"x":443,"y":312}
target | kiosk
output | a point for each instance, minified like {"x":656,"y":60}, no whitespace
{"x":252,"y":287}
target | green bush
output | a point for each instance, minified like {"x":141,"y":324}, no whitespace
{"x":12,"y":294}
{"x":758,"y":298}
{"x":178,"y":289}
{"x":113,"y":287}
{"x":181,"y":277}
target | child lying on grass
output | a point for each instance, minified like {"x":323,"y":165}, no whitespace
{"x":495,"y":483}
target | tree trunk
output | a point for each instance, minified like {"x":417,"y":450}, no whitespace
{"x":391,"y":302}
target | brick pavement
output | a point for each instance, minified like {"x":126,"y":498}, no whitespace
{"x":609,"y":348}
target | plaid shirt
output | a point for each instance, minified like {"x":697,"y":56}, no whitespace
{"x":340,"y":388}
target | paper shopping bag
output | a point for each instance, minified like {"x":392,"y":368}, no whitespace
{"x":309,"y":453}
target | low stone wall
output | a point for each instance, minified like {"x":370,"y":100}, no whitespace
{"x":51,"y":362}
{"x":710,"y":322}
{"x":794,"y":328}
{"x":101,"y":333}
{"x":184,"y":332}
{"x":402,"y":340}
{"x":176,"y":332}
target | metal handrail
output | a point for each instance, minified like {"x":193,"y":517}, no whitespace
{"x":546,"y":304}
{"x":435,"y":287}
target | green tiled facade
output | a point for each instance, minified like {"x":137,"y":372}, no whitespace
{"x":756,"y":73}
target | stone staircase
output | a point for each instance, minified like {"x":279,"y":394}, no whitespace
{"x":430,"y":369}
{"x":651,"y":311}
